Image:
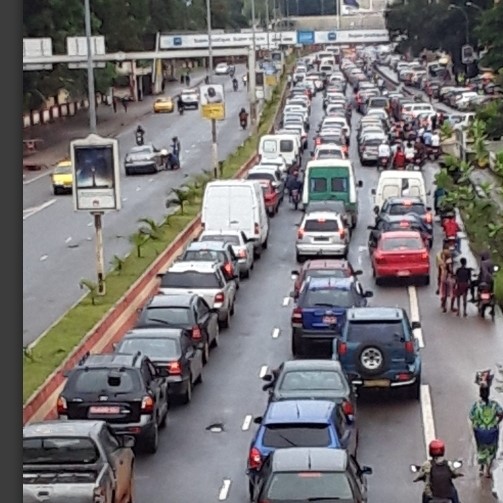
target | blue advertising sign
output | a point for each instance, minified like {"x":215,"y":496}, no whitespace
{"x":305,"y":37}
{"x":332,"y":36}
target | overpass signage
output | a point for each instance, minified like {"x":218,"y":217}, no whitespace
{"x":221,"y":40}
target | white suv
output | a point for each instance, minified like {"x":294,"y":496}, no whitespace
{"x":204,"y":279}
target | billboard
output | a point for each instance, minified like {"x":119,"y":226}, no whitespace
{"x":305,"y":37}
{"x":96,"y":177}
{"x":212,"y":101}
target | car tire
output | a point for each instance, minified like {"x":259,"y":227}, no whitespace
{"x":295,"y":347}
{"x":299,"y":258}
{"x":250,"y":490}
{"x":256,"y":253}
{"x":265,"y":244}
{"x":246,"y":274}
{"x":216,"y":340}
{"x":164,"y":419}
{"x":371,"y":359}
{"x":151,"y":441}
{"x":232,"y":309}
{"x":271,"y":213}
{"x":414,"y":392}
{"x":206,"y":353}
{"x":199,"y":379}
{"x":56,"y":191}
{"x":225,"y":323}
{"x":187,"y":396}
{"x":128,"y":172}
{"x":427,"y":280}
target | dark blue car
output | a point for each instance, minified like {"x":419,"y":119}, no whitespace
{"x":298,"y":423}
{"x":320,"y":313}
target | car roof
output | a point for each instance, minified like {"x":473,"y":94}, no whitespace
{"x":313,"y":283}
{"x":375,"y":313}
{"x":182,"y":300}
{"x":405,"y":200}
{"x":299,"y":411}
{"x":307,"y":459}
{"x":221,"y":232}
{"x":206,"y":245}
{"x":73,"y":428}
{"x":196,"y":266}
{"x":400,"y":234}
{"x":326,"y":264}
{"x":400,"y":218}
{"x":292,"y":365}
{"x":327,"y":215}
{"x":153,"y":333}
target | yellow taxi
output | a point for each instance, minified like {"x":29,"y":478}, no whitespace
{"x":62,"y":178}
{"x":164,"y":105}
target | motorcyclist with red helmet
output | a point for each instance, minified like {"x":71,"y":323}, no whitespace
{"x":399,"y":159}
{"x":438,"y":474}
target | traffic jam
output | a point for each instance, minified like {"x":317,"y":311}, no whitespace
{"x":283,"y":357}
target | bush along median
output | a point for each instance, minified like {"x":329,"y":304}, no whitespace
{"x":151,"y":239}
{"x":478,"y":205}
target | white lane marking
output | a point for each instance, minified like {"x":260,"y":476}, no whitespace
{"x":90,"y":223}
{"x":35,"y":178}
{"x":286,"y":301}
{"x":247,"y":422}
{"x":427,"y":416}
{"x":150,"y":180}
{"x":43,"y":257}
{"x":138,"y":189}
{"x":275,"y":333}
{"x":68,"y":239}
{"x":29,"y":212}
{"x":263,"y":371}
{"x":224,"y":490}
{"x":124,"y":199}
{"x":361,"y":251}
{"x":414,"y":314}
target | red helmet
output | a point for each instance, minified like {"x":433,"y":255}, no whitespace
{"x":436,"y":448}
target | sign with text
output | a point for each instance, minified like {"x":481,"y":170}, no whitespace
{"x":212,"y":101}
{"x":96,"y":177}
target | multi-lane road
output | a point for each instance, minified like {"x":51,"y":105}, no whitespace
{"x":58,"y":244}
{"x":197,"y":464}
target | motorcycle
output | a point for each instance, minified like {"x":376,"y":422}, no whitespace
{"x":235,"y":85}
{"x":456,"y":465}
{"x":139,"y":138}
{"x":434,"y":153}
{"x":485,"y":300}
{"x":243,"y":122}
{"x":383,"y":163}
{"x":181,"y":109}
{"x":451,"y":242}
{"x":295,"y":198}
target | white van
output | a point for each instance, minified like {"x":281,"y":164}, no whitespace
{"x":236,"y":205}
{"x":395,"y":183}
{"x":284,"y":145}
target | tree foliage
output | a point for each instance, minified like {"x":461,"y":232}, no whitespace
{"x":489,"y":34}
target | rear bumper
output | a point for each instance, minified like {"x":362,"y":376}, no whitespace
{"x":390,"y":271}
{"x":321,"y":249}
{"x":141,"y":168}
{"x":177,"y":386}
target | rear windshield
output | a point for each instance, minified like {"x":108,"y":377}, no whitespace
{"x":373,"y":141}
{"x":94,"y":380}
{"x":59,"y":450}
{"x":170,"y":315}
{"x":378,"y":102}
{"x":204,"y":256}
{"x":320,"y":225}
{"x":269,"y":146}
{"x":189,"y":279}
{"x":154,"y":348}
{"x":330,"y":297}
{"x":330,"y":154}
{"x":260,"y":176}
{"x":286,"y":146}
{"x":311,"y":379}
{"x":397,"y":244}
{"x":329,"y":273}
{"x":233,"y":240}
{"x":309,"y":486}
{"x":403,"y":209}
{"x":296,"y":435}
{"x":336,"y":184}
{"x":384,"y":331}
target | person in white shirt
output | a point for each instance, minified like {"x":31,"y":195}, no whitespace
{"x":409,"y":151}
{"x":384,"y":150}
{"x":435,"y":139}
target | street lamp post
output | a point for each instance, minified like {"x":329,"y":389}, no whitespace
{"x":475,"y":6}
{"x":467,"y":21}
{"x":251,"y":72}
{"x":90,"y":69}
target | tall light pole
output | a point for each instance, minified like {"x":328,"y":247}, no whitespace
{"x":251,"y":71}
{"x":90,"y":69}
{"x":467,"y":21}
{"x":214,"y":140}
{"x":267,"y":20}
{"x":475,"y":6}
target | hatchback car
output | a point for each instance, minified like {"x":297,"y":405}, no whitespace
{"x":320,"y":311}
{"x":62,"y":178}
{"x":174,"y":353}
{"x":401,"y":254}
{"x":311,"y":474}
{"x":222,"y":69}
{"x":296,"y":423}
{"x":125,"y":390}
{"x":190,"y":98}
{"x":190,"y":312}
{"x":164,"y":105}
{"x":377,"y":349}
{"x":322,"y":233}
{"x":145,"y":159}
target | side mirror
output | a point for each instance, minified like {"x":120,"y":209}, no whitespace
{"x":368,"y":294}
{"x":414,"y":468}
{"x":312,"y":153}
{"x":138,"y":309}
{"x":457,"y":464}
{"x":415,"y":325}
{"x":66,"y":373}
{"x":258,"y":420}
{"x":128,"y":441}
{"x":373,"y":192}
{"x":267,"y":377}
{"x":164,"y":152}
{"x":296,"y":274}
{"x":366,"y":470}
{"x":428,"y":208}
{"x":214,"y":310}
{"x":428,"y":193}
{"x":159,"y":275}
{"x":358,"y":272}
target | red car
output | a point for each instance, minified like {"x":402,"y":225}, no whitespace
{"x":321,"y":269}
{"x":272,"y":197}
{"x":401,"y":254}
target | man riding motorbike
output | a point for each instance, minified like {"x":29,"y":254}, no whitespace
{"x":175,"y":146}
{"x":486,"y":274}
{"x":399,"y":158}
{"x":235,"y":84}
{"x":139,"y":134}
{"x":435,"y":139}
{"x":384,"y":154}
{"x":294,"y":183}
{"x":451,"y":229}
{"x":409,"y":152}
{"x":438,"y":474}
{"x":243,"y":118}
{"x":179,"y":103}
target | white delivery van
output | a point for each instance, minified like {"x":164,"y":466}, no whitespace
{"x":284,"y":145}
{"x":237,"y":205}
{"x":395,"y":183}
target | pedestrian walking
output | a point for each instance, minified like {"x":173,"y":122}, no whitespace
{"x":114,"y":104}
{"x":187,"y":80}
{"x":124,"y":104}
{"x":445,"y":281}
{"x":463,"y":276}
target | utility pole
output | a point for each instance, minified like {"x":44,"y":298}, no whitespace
{"x":91,"y":97}
{"x":214,"y":139}
{"x":252,"y":74}
{"x":267,"y":21}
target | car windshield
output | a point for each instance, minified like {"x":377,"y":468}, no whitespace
{"x":96,"y":380}
{"x":59,"y":450}
{"x":383,"y":331}
{"x":336,"y":297}
{"x":403,"y":209}
{"x":189,"y":279}
{"x":63,"y":170}
{"x":321,"y":225}
{"x":304,"y":486}
{"x":140,"y":151}
{"x":261,"y":176}
{"x":171,"y":315}
{"x":226,"y":238}
{"x":155,"y":347}
{"x":378,"y":103}
{"x":204,"y":256}
{"x":296,"y":435}
{"x":328,"y":273}
{"x":311,"y":380}
{"x":402,"y":243}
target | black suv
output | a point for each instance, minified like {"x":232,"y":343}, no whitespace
{"x":404,"y":206}
{"x":125,"y":390}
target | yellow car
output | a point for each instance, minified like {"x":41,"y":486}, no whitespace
{"x":62,"y":178}
{"x":164,"y":105}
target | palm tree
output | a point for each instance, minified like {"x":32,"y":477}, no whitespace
{"x":179,"y":198}
{"x":151,"y":228}
{"x":92,"y":287}
{"x":138,"y":240}
{"x":118,"y":263}
{"x":477,"y":133}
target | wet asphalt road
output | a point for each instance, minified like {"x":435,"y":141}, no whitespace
{"x":197,"y":465}
{"x":58,"y":244}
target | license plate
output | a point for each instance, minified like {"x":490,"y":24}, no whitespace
{"x":104,"y":410}
{"x":376,"y":383}
{"x":330,"y":320}
{"x":485,"y":296}
{"x":403,"y":273}
{"x":321,"y":239}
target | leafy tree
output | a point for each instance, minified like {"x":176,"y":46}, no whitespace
{"x":492,"y":115}
{"x":488,"y":32}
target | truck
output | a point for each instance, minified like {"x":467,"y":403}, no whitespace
{"x":76,"y":462}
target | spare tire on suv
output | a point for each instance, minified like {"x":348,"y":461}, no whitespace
{"x":371,"y":359}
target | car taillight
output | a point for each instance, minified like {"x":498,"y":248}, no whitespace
{"x":175,"y":368}
{"x":424,"y":256}
{"x":428,"y":218}
{"x":99,"y":495}
{"x":61,"y":405}
{"x":196,"y":333}
{"x":147,"y":405}
{"x":379,"y":258}
{"x":342,"y":233}
{"x":228,"y":269}
{"x":297,"y":315}
{"x":219,"y":298}
{"x":242,"y":254}
{"x":409,"y":347}
{"x":403,"y":376}
{"x":347,"y":408}
{"x":342,"y":348}
{"x":254,"y":459}
{"x":300,"y":234}
{"x":256,"y":228}
{"x":318,"y":141}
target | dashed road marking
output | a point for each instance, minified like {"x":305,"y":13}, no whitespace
{"x":427,"y":416}
{"x":68,"y":239}
{"x":263,"y":371}
{"x":138,"y":189}
{"x":275,"y":333}
{"x":286,"y":301}
{"x":29,"y":212}
{"x":247,"y":422}
{"x":90,"y":223}
{"x":224,"y":490}
{"x":150,"y":180}
{"x":414,"y":314}
{"x":43,"y":258}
